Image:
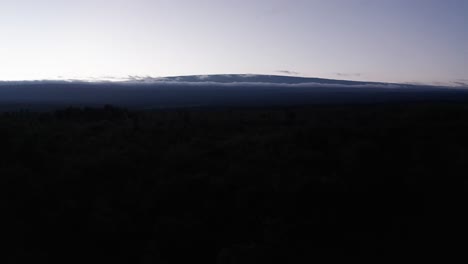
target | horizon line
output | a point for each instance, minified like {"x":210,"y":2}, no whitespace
{"x":142,"y":78}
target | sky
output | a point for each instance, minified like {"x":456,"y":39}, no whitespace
{"x":424,"y":41}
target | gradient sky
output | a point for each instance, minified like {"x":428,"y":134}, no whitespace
{"x":375,"y":40}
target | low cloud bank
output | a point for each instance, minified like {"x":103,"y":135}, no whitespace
{"x":233,"y":90}
{"x":155,"y":83}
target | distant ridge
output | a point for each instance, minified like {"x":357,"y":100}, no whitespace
{"x":216,"y":90}
{"x":253,"y":78}
{"x":247,"y":79}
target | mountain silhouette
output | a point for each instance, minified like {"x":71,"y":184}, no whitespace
{"x":258,"y":78}
{"x":213,"y":91}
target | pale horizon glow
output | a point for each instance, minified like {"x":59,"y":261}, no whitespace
{"x":424,"y":41}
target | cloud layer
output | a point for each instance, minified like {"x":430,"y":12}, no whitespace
{"x":218,"y":90}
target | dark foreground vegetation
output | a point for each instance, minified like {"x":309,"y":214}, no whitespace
{"x":276,"y":185}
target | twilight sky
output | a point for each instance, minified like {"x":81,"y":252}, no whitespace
{"x":375,"y":40}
